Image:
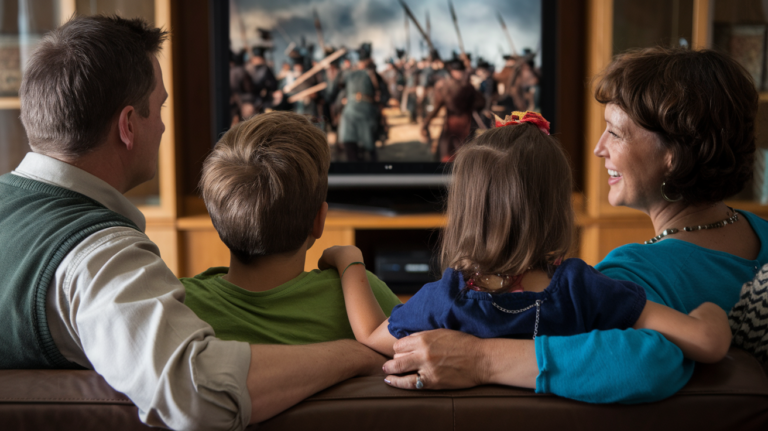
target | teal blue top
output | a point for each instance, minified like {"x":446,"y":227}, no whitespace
{"x":634,"y":366}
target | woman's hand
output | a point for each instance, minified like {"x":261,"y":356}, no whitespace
{"x":446,"y":359}
{"x":339,"y":256}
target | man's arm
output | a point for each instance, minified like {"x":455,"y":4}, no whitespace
{"x":115,"y":307}
{"x":281,"y":376}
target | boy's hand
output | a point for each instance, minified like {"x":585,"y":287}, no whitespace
{"x":339,"y":256}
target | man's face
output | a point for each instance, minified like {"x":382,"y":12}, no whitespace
{"x":150,"y":130}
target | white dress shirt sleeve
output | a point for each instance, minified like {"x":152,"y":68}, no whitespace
{"x":115,"y":307}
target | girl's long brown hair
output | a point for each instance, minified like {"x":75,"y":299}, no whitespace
{"x":509,"y":205}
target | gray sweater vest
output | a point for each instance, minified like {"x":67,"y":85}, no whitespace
{"x":39,"y":225}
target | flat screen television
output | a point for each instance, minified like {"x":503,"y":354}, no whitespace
{"x":504,"y":50}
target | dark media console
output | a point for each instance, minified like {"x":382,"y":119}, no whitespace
{"x":388,"y":201}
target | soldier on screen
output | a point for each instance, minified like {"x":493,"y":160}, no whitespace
{"x":307,"y":105}
{"x":333,"y":76}
{"x":263,"y":79}
{"x":362,"y":122}
{"x":240,"y":88}
{"x":518,"y":83}
{"x":460,"y":100}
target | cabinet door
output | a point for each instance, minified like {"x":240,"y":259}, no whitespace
{"x":644,"y":23}
{"x":22,"y":25}
{"x":742,"y":32}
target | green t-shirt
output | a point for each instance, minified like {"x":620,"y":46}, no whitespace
{"x":308,"y":309}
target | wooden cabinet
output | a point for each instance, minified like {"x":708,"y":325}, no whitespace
{"x":203,"y":248}
{"x":22,"y":25}
{"x":176,"y":219}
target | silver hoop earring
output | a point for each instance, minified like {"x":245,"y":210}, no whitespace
{"x":664,"y":195}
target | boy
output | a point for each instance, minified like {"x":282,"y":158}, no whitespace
{"x":264,"y":186}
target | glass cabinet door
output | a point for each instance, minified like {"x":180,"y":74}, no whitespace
{"x":22,"y":24}
{"x":646,"y":23}
{"x":741,"y":30}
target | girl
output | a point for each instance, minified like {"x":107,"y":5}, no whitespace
{"x":510,"y":225}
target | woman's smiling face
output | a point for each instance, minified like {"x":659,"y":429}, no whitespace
{"x":635,"y":159}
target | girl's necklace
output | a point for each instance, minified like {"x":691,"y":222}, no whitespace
{"x":671,"y":231}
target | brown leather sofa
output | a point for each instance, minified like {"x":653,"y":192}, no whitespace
{"x":730,"y":395}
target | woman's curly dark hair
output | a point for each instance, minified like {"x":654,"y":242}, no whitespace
{"x":702,"y":104}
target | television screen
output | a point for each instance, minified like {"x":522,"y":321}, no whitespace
{"x":396,"y":85}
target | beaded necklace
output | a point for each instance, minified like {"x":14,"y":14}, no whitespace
{"x":673,"y":230}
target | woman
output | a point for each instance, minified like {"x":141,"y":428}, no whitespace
{"x":679,"y":140}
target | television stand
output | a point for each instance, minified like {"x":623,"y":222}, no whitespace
{"x":388,"y":202}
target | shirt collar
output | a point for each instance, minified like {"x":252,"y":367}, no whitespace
{"x":48,"y":170}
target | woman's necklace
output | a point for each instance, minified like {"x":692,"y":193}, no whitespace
{"x":671,"y":231}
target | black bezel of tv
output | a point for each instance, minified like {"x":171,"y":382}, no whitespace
{"x":376,"y":174}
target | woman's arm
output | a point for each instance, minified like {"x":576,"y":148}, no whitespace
{"x":703,"y":335}
{"x":369,"y":324}
{"x":446,"y":359}
{"x":627,"y":366}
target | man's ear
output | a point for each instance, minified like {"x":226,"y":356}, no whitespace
{"x":319,"y":224}
{"x":126,"y":126}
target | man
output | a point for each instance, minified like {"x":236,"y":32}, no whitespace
{"x":333,"y":76}
{"x":240,"y":89}
{"x":518,"y":81}
{"x":460,"y":100}
{"x":84,"y":287}
{"x":264,"y":81}
{"x":362,"y":122}
{"x":307,"y":105}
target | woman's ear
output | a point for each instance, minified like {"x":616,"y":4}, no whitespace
{"x":668,"y":160}
{"x":125,"y":126}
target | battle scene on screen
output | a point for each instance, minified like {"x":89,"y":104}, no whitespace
{"x":388,"y":81}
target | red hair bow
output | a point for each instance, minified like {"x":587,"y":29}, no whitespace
{"x":518,"y":117}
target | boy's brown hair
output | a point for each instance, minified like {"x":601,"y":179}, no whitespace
{"x":509,"y":205}
{"x":264,"y":183}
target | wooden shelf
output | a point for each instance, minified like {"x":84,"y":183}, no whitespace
{"x":751,"y":206}
{"x":10,"y":103}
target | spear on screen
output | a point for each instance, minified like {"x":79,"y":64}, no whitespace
{"x":506,"y":33}
{"x":407,"y":38}
{"x":322,"y":64}
{"x":456,"y":24}
{"x":284,"y":35}
{"x":233,"y":10}
{"x":418,"y":26}
{"x":319,"y":29}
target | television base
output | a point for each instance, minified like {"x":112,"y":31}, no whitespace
{"x":388,"y":201}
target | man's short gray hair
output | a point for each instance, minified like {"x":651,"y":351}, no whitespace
{"x":81,"y":76}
